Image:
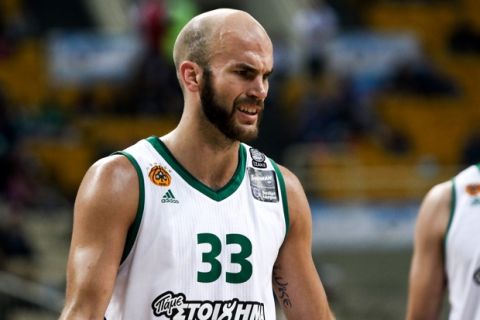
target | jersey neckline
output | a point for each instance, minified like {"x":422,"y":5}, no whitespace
{"x":217,"y":195}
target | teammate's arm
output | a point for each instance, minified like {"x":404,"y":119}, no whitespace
{"x":295,"y":280}
{"x":427,"y":272}
{"x":104,"y":209}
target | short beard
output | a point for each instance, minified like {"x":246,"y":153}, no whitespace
{"x":219,"y":116}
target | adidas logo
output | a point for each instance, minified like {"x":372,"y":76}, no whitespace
{"x":168,"y":197}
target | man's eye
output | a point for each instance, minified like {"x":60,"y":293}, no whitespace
{"x":245,"y":73}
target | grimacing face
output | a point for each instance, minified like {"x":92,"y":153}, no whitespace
{"x":222,"y":116}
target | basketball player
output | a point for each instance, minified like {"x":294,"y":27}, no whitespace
{"x":447,"y":251}
{"x":197,"y":224}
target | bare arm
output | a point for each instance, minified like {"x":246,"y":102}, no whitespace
{"x":427,"y":276}
{"x":105,"y":207}
{"x":295,"y":280}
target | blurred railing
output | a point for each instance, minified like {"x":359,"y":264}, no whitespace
{"x":342,"y":176}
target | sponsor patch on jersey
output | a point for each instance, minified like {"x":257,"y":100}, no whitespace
{"x":476,"y":276}
{"x":176,"y":306}
{"x":160,"y":176}
{"x":263,"y":184}
{"x":258,"y":158}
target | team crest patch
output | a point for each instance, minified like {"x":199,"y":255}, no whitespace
{"x":160,"y":176}
{"x":473,"y":189}
{"x":258,"y":158}
{"x":176,"y":306}
{"x":264,"y":185}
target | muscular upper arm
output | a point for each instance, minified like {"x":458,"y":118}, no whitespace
{"x":427,"y":275}
{"x":104,"y":209}
{"x":295,"y":278}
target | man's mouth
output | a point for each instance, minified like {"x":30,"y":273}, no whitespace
{"x":248,"y":110}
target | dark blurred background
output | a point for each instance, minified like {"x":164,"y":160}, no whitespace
{"x":372,"y":102}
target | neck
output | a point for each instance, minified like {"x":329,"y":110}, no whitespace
{"x":207,"y":155}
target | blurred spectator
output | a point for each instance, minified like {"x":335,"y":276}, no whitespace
{"x":4,"y":49}
{"x":464,"y":39}
{"x":86,"y":104}
{"x":352,"y":13}
{"x":180,"y":12}
{"x":13,"y":242}
{"x":6,"y":41}
{"x":154,"y":90}
{"x":51,"y":120}
{"x":314,"y":26}
{"x":15,"y":26}
{"x":12,"y":165}
{"x":394,"y":140}
{"x":326,"y":108}
{"x":151,"y":19}
{"x":471,"y":149}
{"x":419,"y":77}
{"x":8,"y":138}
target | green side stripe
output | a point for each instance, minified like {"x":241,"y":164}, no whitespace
{"x":217,"y":195}
{"x":283,"y":190}
{"x":478,"y":166}
{"x":453,"y":203}
{"x":133,"y":230}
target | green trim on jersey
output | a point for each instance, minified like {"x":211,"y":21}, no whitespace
{"x":133,"y":230}
{"x":453,"y":203}
{"x":478,"y":166}
{"x":283,"y":190}
{"x":217,"y":195}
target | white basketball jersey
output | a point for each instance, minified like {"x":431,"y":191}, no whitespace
{"x":198,"y":253}
{"x":463,"y":246}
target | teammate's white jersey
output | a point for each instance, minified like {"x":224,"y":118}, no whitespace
{"x":463,"y":246}
{"x":197,"y":253}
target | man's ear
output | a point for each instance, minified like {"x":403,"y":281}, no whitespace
{"x":190,"y":75}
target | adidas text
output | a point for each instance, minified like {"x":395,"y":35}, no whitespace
{"x":169,"y":201}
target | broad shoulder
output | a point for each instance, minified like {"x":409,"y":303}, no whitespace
{"x":109,"y":186}
{"x":439,"y":198}
{"x":292,"y":183}
{"x":434,"y":212}
{"x":115,"y":167}
{"x":115,"y":173}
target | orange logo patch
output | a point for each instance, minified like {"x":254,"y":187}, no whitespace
{"x":160,"y":176}
{"x":473,"y":189}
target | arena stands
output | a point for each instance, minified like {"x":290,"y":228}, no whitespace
{"x":348,"y":127}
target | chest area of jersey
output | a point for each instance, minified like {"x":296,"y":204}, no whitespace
{"x":255,"y":203}
{"x":231,"y":240}
{"x":180,"y":214}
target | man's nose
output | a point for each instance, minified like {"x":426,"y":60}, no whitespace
{"x":259,"y":88}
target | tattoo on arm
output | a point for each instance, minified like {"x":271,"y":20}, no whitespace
{"x":281,"y":285}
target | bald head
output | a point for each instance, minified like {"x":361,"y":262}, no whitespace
{"x":209,"y":32}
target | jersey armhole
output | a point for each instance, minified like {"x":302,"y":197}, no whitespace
{"x":283,"y":191}
{"x":453,"y":203}
{"x":133,"y":230}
